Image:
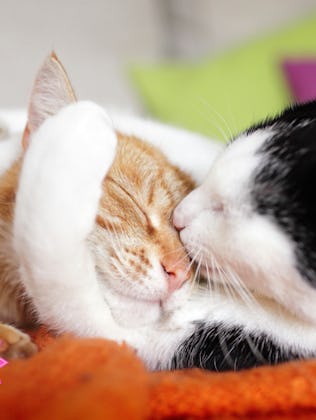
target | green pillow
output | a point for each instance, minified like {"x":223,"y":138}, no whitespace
{"x":222,"y":96}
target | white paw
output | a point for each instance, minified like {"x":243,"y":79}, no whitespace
{"x":62,"y":173}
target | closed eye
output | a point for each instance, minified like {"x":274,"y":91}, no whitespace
{"x":110,"y":179}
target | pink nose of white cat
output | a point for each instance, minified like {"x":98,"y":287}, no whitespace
{"x":176,"y":276}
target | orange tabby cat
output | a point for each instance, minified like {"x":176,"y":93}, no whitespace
{"x":137,"y":252}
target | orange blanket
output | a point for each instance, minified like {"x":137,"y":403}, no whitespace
{"x":75,"y":378}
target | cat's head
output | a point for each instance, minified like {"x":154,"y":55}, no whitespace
{"x":138,"y":254}
{"x":253,"y":220}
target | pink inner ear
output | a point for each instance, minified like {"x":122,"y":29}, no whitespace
{"x":301,"y":76}
{"x":51,"y":91}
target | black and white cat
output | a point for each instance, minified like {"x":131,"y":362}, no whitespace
{"x":252,"y":223}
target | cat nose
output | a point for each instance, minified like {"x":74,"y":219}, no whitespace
{"x":176,"y":276}
{"x":187,"y":210}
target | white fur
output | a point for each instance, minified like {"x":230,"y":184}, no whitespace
{"x":217,"y":219}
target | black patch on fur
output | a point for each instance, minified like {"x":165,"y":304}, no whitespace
{"x":284,"y":186}
{"x":292,"y":115}
{"x":219,"y":348}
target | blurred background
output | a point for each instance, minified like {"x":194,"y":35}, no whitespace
{"x":151,"y":56}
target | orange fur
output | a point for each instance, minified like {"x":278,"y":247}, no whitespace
{"x":142,"y":183}
{"x":14,"y":306}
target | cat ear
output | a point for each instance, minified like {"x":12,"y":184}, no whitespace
{"x":51,"y":91}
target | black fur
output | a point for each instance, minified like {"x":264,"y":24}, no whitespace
{"x":220,"y":348}
{"x":284,"y":186}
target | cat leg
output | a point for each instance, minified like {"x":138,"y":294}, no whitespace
{"x":56,"y":206}
{"x":14,"y":344}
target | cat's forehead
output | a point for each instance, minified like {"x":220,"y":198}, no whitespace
{"x":142,"y":184}
{"x":234,"y":168}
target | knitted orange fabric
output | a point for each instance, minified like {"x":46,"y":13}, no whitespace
{"x":74,"y":378}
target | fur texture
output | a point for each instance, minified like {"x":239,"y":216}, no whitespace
{"x":252,"y":223}
{"x":90,"y":246}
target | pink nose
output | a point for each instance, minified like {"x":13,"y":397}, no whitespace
{"x":176,"y":276}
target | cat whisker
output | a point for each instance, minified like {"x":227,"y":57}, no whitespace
{"x":231,"y":285}
{"x":197,"y":271}
{"x":193,"y":260}
{"x":178,"y":261}
{"x":196,"y":275}
{"x":243,"y":291}
{"x":116,"y":243}
{"x":208,"y":278}
{"x":174,"y":251}
{"x":114,"y":230}
{"x":214,"y":124}
{"x":216,"y":269}
{"x":123,"y":273}
{"x":225,"y":349}
{"x":227,"y":283}
{"x":241,"y":287}
{"x":213,"y":284}
{"x":119,"y":268}
{"x":212,"y":109}
{"x":224,"y":283}
{"x":231,"y":288}
{"x":237,"y":286}
{"x":255,"y":350}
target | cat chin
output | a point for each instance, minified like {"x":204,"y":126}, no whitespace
{"x":136,"y":313}
{"x":131,"y":312}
